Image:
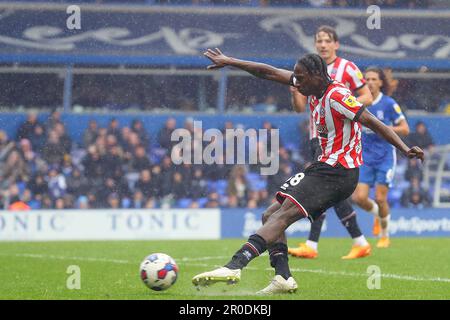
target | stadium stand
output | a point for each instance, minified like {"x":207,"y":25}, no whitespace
{"x":121,"y":166}
{"x":47,"y":163}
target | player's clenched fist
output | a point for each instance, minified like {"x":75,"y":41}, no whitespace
{"x":416,"y":152}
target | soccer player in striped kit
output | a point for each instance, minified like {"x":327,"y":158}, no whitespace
{"x":346,"y":72}
{"x":329,"y":180}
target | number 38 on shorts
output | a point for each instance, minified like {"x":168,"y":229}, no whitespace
{"x":293,"y":181}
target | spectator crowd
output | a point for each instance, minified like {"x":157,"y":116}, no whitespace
{"x":119,"y":167}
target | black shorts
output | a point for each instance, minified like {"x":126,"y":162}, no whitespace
{"x":315,"y":149}
{"x":318,"y":188}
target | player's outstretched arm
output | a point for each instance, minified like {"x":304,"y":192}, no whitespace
{"x":369,"y":120}
{"x":260,"y":70}
{"x":298,"y":101}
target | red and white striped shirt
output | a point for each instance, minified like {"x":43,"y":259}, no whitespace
{"x":335,"y":117}
{"x":345,"y":72}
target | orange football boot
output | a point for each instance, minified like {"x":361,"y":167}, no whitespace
{"x":384,"y":242}
{"x":358,"y":252}
{"x":303,"y":251}
{"x":376,"y":227}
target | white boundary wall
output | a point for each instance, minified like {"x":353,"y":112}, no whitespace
{"x":42,"y":225}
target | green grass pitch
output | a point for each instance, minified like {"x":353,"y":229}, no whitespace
{"x":413,"y":268}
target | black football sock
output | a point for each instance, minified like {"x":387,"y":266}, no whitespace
{"x":316,"y":228}
{"x":278,"y":253}
{"x":351,"y":224}
{"x":250,"y":250}
{"x":347,"y":215}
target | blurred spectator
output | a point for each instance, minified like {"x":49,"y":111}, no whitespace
{"x":165,"y":176}
{"x":146,"y":185}
{"x":38,"y":186}
{"x":67,"y":165}
{"x":198,"y":185}
{"x":392,"y":82}
{"x":109,"y":187}
{"x":90,"y":134}
{"x":53,"y":119}
{"x":138,"y":201}
{"x":166,"y":133}
{"x":82,"y":203}
{"x":56,"y":183}
{"x":112,"y":161}
{"x":113,"y":201}
{"x":13,"y":170}
{"x":421,"y":137}
{"x":414,"y":170}
{"x":415,"y":196}
{"x":59,"y":204}
{"x":4,"y":142}
{"x":38,"y":138}
{"x":140,"y":160}
{"x":138,"y":128}
{"x":150,"y":203}
{"x":47,"y":202}
{"x":65,"y":140}
{"x":77,"y":183}
{"x":18,"y":205}
{"x":27,"y":128}
{"x":238,"y":185}
{"x":179,"y":186}
{"x":217,"y":171}
{"x":53,"y":151}
{"x":213,"y":200}
{"x":31,"y":158}
{"x":114,"y":128}
{"x":92,"y":163}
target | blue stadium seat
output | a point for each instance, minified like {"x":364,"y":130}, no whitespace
{"x":253,"y":176}
{"x":221,"y":184}
{"x":259,"y":185}
{"x":184,"y":203}
{"x":212,"y":185}
{"x":202,"y":202}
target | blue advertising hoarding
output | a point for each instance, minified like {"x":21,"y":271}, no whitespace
{"x":178,"y":36}
{"x":241,"y":223}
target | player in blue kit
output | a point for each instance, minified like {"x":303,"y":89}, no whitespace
{"x":379,"y":156}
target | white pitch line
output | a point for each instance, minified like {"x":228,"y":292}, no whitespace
{"x":383,"y":275}
{"x":189,"y":260}
{"x":44,"y":256}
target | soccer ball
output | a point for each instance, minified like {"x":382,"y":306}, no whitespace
{"x":159,"y":271}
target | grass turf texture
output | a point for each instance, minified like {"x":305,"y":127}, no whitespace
{"x":413,"y":268}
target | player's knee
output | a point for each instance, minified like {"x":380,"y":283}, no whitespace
{"x":358,"y":197}
{"x":381,"y":199}
{"x":280,"y":218}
